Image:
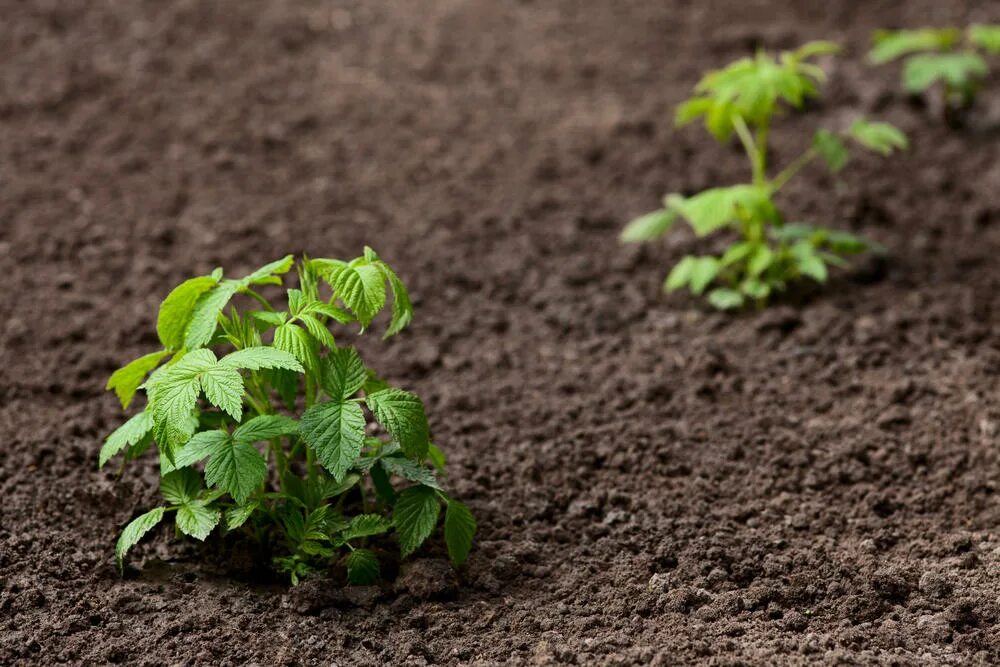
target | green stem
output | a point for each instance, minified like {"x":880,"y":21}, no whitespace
{"x":260,"y":299}
{"x":752,"y":151}
{"x":795,"y":167}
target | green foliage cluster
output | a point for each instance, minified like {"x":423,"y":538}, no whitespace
{"x":947,"y":56}
{"x":742,"y":100}
{"x":262,"y":422}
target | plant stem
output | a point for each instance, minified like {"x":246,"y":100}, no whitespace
{"x":752,"y":151}
{"x":257,"y":297}
{"x":788,"y":172}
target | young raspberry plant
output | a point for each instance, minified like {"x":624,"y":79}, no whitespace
{"x":742,"y":100}
{"x":946,"y":56}
{"x":263,"y":424}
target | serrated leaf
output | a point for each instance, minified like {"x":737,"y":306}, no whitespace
{"x":362,"y":567}
{"x":703,"y":272}
{"x":256,"y":358}
{"x":238,"y":515}
{"x":650,"y":226}
{"x":882,"y":138}
{"x":680,"y":275}
{"x":402,"y":414}
{"x":265,"y":427}
{"x":205,"y":315}
{"x":891,"y":44}
{"x":200,"y":446}
{"x":380,"y":480}
{"x":437,"y":457}
{"x":177,"y":308}
{"x":808,"y":262}
{"x":343,"y":373}
{"x":725,"y":298}
{"x":402,"y":308}
{"x":126,"y":380}
{"x":294,"y":340}
{"x":224,"y":389}
{"x":197,"y":520}
{"x":365,"y":525}
{"x":264,"y":274}
{"x":459,"y":529}
{"x":135,"y":531}
{"x":335,"y":431}
{"x":410,"y":470}
{"x":831,"y":149}
{"x":713,"y":209}
{"x":268,"y":317}
{"x":986,"y":37}
{"x":130,"y":433}
{"x":955,"y":69}
{"x":415,"y":517}
{"x":361,"y":288}
{"x":180,"y":486}
{"x":318,"y":330}
{"x":174,"y":395}
{"x":237,"y":468}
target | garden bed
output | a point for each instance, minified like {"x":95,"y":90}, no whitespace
{"x":654,"y":482}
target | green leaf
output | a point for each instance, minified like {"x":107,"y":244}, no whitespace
{"x":383,"y":487}
{"x":130,"y":433}
{"x":236,"y":468}
{"x":402,"y":308}
{"x":127,"y":379}
{"x":135,"y":531}
{"x":268,"y":317}
{"x":318,"y":330}
{"x":459,"y":529}
{"x":882,"y":138}
{"x":410,"y":470}
{"x":205,"y":315}
{"x":173,"y":396}
{"x":266,"y":274}
{"x":808,"y":262}
{"x":180,"y":486}
{"x":436,"y":457}
{"x":197,"y":520}
{"x":692,"y":109}
{"x":362,"y":567}
{"x":200,"y":446}
{"x":650,"y":226}
{"x":224,"y":389}
{"x":831,"y":149}
{"x":294,"y":340}
{"x":955,"y":69}
{"x":343,"y":373}
{"x":725,"y":298}
{"x":703,"y":272}
{"x":402,"y":414}
{"x":713,"y":209}
{"x":335,"y":430}
{"x":256,"y":358}
{"x":680,"y":275}
{"x":816,"y":48}
{"x":238,"y":515}
{"x":265,"y":427}
{"x":891,"y":44}
{"x":415,"y":517}
{"x":365,"y":525}
{"x":986,"y":37}
{"x":361,"y":288}
{"x":177,"y":308}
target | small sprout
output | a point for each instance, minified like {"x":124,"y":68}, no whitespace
{"x":222,"y":398}
{"x":945,"y":56}
{"x":741,"y":101}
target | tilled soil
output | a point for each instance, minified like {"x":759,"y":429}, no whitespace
{"x":655,"y":483}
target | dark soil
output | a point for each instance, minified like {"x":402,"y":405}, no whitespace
{"x":655,"y":483}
